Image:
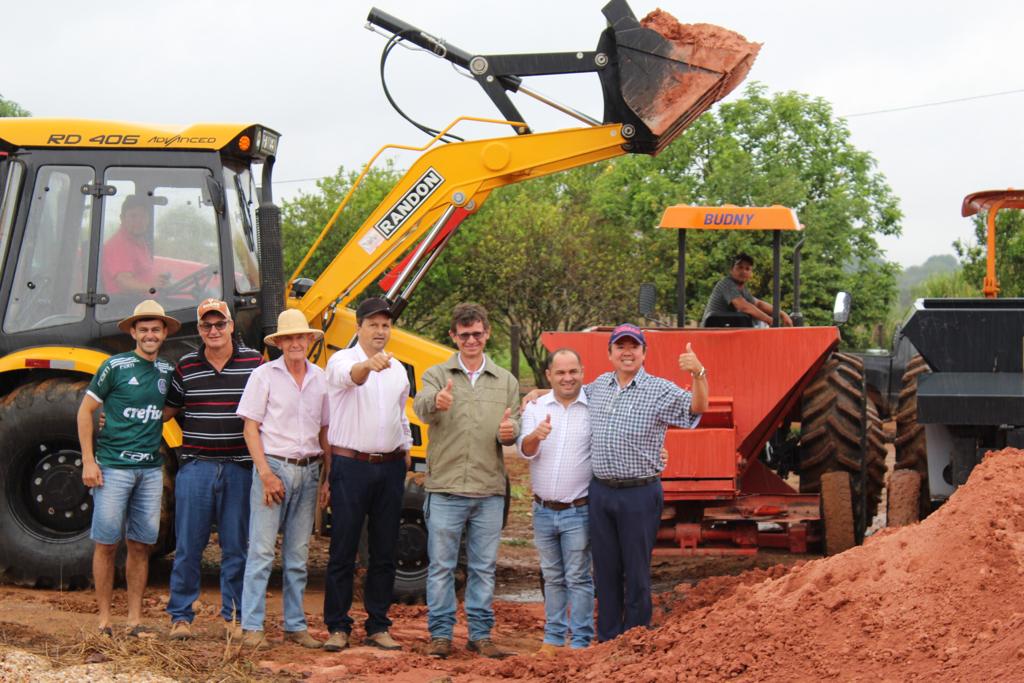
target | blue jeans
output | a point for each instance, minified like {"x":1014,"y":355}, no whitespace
{"x":294,"y":518}
{"x":206,"y":492}
{"x":127,"y":505}
{"x":562,"y":538}
{"x":447,"y":515}
{"x":372,"y":492}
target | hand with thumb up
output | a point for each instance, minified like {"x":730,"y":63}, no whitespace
{"x":507,"y":428}
{"x":444,"y":398}
{"x":688,"y":362}
{"x":544,"y":428}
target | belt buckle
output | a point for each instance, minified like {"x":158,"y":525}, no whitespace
{"x":375,"y":457}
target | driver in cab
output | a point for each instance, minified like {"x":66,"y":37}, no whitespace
{"x":128,"y":266}
{"x":731,"y":295}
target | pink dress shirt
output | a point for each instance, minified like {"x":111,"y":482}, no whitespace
{"x":290,"y":416}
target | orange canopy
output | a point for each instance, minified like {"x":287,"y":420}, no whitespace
{"x":730,"y":217}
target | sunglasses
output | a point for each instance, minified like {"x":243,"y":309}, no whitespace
{"x":466,"y":336}
{"x":220,"y":325}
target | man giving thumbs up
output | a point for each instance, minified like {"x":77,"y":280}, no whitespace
{"x":470,"y":406}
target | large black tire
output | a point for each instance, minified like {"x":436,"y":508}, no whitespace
{"x":911,"y":444}
{"x":45,"y":509}
{"x":837,"y":512}
{"x":834,"y":422}
{"x":411,"y":551}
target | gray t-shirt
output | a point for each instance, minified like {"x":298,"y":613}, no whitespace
{"x":722,"y":295}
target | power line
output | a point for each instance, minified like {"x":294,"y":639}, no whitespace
{"x":937,"y":103}
{"x":922,"y":105}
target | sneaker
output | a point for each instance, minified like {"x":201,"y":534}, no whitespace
{"x":254,"y":640}
{"x":303,"y":638}
{"x":181,"y":630}
{"x":337,"y":642}
{"x":485,"y":647}
{"x":549,"y":650}
{"x":439,"y":647}
{"x":382,"y":640}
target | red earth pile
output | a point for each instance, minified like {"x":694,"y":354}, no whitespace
{"x":940,"y":600}
{"x":721,"y":59}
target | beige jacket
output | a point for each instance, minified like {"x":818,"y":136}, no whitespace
{"x":463,"y":453}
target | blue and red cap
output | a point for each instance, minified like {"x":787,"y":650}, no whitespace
{"x":627,"y":330}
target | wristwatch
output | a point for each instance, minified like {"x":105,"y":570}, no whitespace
{"x":703,"y":373}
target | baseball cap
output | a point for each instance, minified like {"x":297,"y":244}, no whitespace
{"x":213,"y":306}
{"x":373,"y":306}
{"x":627,"y":330}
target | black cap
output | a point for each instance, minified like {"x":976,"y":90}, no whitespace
{"x":372,"y":306}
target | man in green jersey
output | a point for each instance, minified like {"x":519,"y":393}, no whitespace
{"x":124,"y":470}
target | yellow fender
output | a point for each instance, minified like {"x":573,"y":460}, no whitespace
{"x":85,"y":361}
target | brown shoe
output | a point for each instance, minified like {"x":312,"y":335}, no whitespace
{"x":254,"y":640}
{"x":486,"y":648}
{"x":337,"y":642}
{"x":304,"y":639}
{"x":549,"y":650}
{"x":181,"y":630}
{"x":439,"y":647}
{"x":232,"y":630}
{"x":382,"y":640}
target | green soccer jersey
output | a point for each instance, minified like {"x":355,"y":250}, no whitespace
{"x":132,"y":391}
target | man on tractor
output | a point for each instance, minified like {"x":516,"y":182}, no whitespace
{"x":731,"y":296}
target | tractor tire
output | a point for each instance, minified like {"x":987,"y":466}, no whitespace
{"x":902,"y":501}
{"x":833,"y":424}
{"x":45,"y":509}
{"x":837,"y":512}
{"x":411,"y":560}
{"x":911,"y":444}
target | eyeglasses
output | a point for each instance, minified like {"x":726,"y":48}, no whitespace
{"x":466,"y":336}
{"x":220,"y":325}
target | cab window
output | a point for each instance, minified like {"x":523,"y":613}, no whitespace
{"x":53,"y":263}
{"x":160,"y":240}
{"x":240,"y":203}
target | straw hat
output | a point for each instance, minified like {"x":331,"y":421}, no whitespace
{"x":291,"y":321}
{"x":149,"y":310}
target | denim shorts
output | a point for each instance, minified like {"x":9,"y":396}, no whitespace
{"x":127,"y":505}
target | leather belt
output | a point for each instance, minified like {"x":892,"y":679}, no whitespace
{"x":556,"y":505}
{"x":298,"y":462}
{"x":628,"y":483}
{"x":368,"y":457}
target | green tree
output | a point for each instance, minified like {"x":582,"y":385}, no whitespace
{"x":786,"y":149}
{"x":8,"y":108}
{"x":1009,"y":253}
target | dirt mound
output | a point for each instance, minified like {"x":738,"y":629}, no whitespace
{"x":718,"y":59}
{"x":939,"y":600}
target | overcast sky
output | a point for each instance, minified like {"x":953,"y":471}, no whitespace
{"x":310,"y":70}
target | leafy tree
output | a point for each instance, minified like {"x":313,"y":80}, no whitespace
{"x":785,"y":149}
{"x":1009,"y":253}
{"x":8,"y":108}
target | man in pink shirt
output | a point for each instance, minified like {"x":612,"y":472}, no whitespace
{"x":285,"y":409}
{"x":370,"y":441}
{"x":128,"y":256}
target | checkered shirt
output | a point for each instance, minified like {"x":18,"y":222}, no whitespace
{"x":628,"y":425}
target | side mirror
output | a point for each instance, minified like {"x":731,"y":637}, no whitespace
{"x":647,"y":299}
{"x":841,"y":309}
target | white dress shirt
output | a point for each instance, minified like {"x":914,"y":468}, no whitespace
{"x":560,"y":470}
{"x":473,"y":374}
{"x":368,"y":417}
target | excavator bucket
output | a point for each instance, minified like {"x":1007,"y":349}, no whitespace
{"x":670,"y":73}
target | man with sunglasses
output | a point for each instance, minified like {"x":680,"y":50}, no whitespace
{"x":470,"y":405}
{"x":215,"y":473}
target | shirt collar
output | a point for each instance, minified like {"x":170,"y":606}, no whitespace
{"x":483,"y":366}
{"x":638,"y":378}
{"x":280,"y":364}
{"x":549,"y":398}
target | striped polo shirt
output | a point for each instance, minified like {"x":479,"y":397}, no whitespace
{"x":210,"y":426}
